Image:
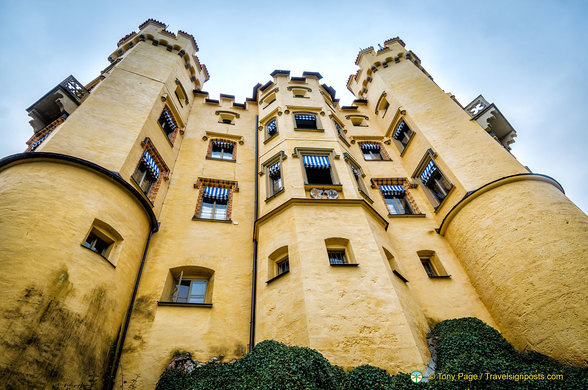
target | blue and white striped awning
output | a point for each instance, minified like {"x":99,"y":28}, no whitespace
{"x":223,"y":144}
{"x":274,"y":170}
{"x":399,"y":130}
{"x":305,"y":117}
{"x":216,"y":193}
{"x":148,"y":161}
{"x":370,"y":146}
{"x":169,"y":119}
{"x":355,"y":171}
{"x":272,"y":127}
{"x":316,"y":162}
{"x":392,"y":190}
{"x":40,"y":141}
{"x":428,"y":172}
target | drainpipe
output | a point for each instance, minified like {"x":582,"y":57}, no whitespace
{"x":254,"y":270}
{"x":111,"y":379}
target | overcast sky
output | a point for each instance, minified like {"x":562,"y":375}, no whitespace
{"x":528,"y":57}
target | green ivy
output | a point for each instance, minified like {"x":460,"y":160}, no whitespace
{"x":464,"y":346}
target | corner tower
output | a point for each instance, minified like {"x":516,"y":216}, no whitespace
{"x":522,"y":242}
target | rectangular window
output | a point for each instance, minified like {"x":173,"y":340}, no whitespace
{"x":428,"y":266}
{"x":371,"y":152}
{"x":403,"y":134}
{"x":146,"y":173}
{"x":306,"y":121}
{"x":272,"y":128}
{"x":214,"y":203}
{"x":435,"y":182}
{"x":337,"y":256}
{"x":222,"y":150}
{"x":167,"y":123}
{"x":282,"y":266}
{"x":318,"y":169}
{"x":190,"y":291}
{"x":395,"y":198}
{"x":275,"y":179}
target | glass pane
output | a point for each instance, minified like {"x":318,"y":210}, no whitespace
{"x":220,"y":211}
{"x":196,"y":299}
{"x":206,"y":210}
{"x":216,"y":154}
{"x":198,"y":287}
{"x":227,"y":155}
{"x":183,"y":291}
{"x":368,"y":156}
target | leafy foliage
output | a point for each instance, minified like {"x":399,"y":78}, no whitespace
{"x":464,"y":346}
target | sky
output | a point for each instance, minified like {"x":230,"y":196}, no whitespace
{"x":527,"y":57}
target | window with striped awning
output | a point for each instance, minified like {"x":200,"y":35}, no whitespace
{"x":370,"y":146}
{"x":150,"y":164}
{"x":305,"y":117}
{"x":392,"y":190}
{"x":223,"y":144}
{"x":272,"y":127}
{"x":169,"y":119}
{"x":40,"y":141}
{"x":306,"y":121}
{"x":167,"y":123}
{"x":316,"y":162}
{"x":274,"y":170}
{"x":216,"y":193}
{"x":428,"y":172}
{"x":399,"y":130}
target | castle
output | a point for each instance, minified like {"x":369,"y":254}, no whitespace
{"x":146,"y":217}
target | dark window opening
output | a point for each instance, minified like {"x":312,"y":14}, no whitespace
{"x":398,"y":204}
{"x":97,"y":244}
{"x":337,"y":257}
{"x":143,"y":177}
{"x":283,"y":266}
{"x":319,"y":175}
{"x":305,"y":121}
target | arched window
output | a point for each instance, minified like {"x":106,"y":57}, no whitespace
{"x":181,"y":93}
{"x":339,"y":252}
{"x":431,"y":264}
{"x":278,"y":263}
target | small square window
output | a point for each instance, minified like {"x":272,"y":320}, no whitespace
{"x":337,"y":256}
{"x":306,"y":121}
{"x":98,"y":242}
{"x":371,"y":152}
{"x":222,"y":150}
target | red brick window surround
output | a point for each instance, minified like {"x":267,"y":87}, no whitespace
{"x":147,"y":146}
{"x":210,"y":196}
{"x":397,"y":181}
{"x":168,"y":124}
{"x":373,"y":149}
{"x":222,"y":149}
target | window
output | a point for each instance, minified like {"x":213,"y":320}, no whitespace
{"x":435,"y":182}
{"x":357,"y":173}
{"x":167,"y":123}
{"x":431,"y":264}
{"x":300,"y":92}
{"x":371,"y":152}
{"x":227,"y":117}
{"x":337,"y":256}
{"x":98,"y":242}
{"x":222,"y":150}
{"x":395,"y":198}
{"x":275,"y":179}
{"x":188,"y":286}
{"x":282,"y":266}
{"x":357,"y":120}
{"x":269,"y":98}
{"x":382,"y":105}
{"x":339,"y":129}
{"x":272,"y":128}
{"x":403,"y":134}
{"x":181,"y":93}
{"x":278,"y":264}
{"x":190,"y":291}
{"x":214,"y":203}
{"x":146,"y":173}
{"x":306,"y":121}
{"x":318,"y":169}
{"x":339,"y":252}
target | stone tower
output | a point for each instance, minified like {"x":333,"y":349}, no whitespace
{"x":147,"y":218}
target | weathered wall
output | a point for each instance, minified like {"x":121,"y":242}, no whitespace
{"x":527,"y":260}
{"x":62,"y":304}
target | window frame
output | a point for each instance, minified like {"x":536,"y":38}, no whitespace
{"x":268,"y":136}
{"x":201,"y":185}
{"x":342,"y":247}
{"x":177,"y":275}
{"x":107,"y":234}
{"x":143,"y":178}
{"x":224,"y":150}
{"x":329,"y":153}
{"x":317,"y":121}
{"x":407,"y":135}
{"x":277,"y":257}
{"x":432,"y":265}
{"x":434,"y":178}
{"x":170,"y":135}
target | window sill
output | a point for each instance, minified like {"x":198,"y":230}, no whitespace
{"x":311,"y":130}
{"x":98,"y":254}
{"x":400,"y":276}
{"x":407,"y":215}
{"x":219,"y":159}
{"x":281,"y":191}
{"x":344,"y":140}
{"x":195,"y":218}
{"x":184,"y":304}
{"x":277,"y":277}
{"x":344,"y":265}
{"x":268,"y":139}
{"x":440,"y":277}
{"x":365,"y":195}
{"x":338,"y":187}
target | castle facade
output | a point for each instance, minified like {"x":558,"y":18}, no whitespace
{"x":146,"y":218}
